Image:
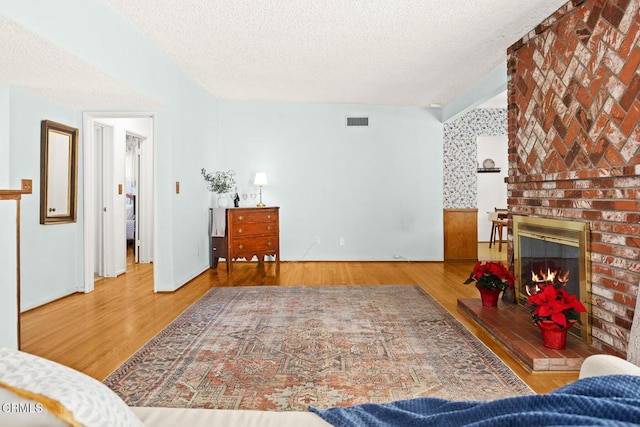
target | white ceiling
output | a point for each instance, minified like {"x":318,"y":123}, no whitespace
{"x":385,"y":52}
{"x":390,"y":52}
{"x":34,"y":64}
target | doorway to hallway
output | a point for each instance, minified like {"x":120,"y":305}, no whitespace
{"x":118,"y":193}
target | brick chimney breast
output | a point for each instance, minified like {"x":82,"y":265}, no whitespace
{"x":574,"y":144}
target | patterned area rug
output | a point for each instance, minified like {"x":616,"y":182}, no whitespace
{"x":285,"y":348}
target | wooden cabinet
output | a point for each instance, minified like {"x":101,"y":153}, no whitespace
{"x":248,"y":232}
{"x":461,"y":234}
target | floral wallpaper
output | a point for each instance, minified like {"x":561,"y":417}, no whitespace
{"x":460,"y":164}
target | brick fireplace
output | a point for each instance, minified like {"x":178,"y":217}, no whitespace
{"x":574,"y":145}
{"x":553,"y":252}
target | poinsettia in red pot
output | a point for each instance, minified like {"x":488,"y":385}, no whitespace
{"x":491,"y":278}
{"x":556,"y":311}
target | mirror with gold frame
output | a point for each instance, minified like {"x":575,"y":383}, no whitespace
{"x":58,"y":173}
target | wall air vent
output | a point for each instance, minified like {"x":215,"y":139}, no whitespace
{"x":357,"y":122}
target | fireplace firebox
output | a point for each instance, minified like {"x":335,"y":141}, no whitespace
{"x":553,"y":251}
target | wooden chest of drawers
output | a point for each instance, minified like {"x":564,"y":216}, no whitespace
{"x":248,"y":232}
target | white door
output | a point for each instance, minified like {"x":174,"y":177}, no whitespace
{"x":144,"y":225}
{"x":107,"y":221}
{"x":98,"y":203}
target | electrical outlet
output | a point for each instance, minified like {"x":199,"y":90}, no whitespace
{"x":316,"y":239}
{"x":341,"y":241}
{"x":397,"y":256}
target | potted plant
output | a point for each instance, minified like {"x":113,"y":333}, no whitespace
{"x":556,"y":311}
{"x":221,"y":183}
{"x":491,"y":278}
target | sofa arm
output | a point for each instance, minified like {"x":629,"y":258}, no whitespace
{"x":605,"y":364}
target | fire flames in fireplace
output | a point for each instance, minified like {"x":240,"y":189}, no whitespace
{"x":555,"y":277}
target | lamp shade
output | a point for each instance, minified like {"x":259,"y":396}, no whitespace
{"x":261,"y":179}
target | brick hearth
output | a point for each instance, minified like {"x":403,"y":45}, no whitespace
{"x":511,"y":326}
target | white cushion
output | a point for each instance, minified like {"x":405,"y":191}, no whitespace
{"x":63,"y":390}
{"x":199,"y":417}
{"x":20,"y":411}
{"x":606,"y":364}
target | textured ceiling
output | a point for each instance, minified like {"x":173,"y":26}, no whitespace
{"x":386,"y":52}
{"x":38,"y":66}
{"x":408,"y":52}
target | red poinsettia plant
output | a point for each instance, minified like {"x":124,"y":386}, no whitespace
{"x":556,"y":304}
{"x":491,"y":275}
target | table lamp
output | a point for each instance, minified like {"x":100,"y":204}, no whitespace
{"x":260,"y":181}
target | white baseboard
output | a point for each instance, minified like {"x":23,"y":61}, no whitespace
{"x":46,"y":300}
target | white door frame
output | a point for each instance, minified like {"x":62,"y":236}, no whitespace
{"x":89,"y":153}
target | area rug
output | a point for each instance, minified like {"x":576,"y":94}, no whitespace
{"x":285,"y":348}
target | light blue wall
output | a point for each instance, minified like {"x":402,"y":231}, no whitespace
{"x":51,"y":255}
{"x":193,"y":143}
{"x":8,"y":277}
{"x":379,"y":188}
{"x":4,"y":136}
{"x":185,"y":136}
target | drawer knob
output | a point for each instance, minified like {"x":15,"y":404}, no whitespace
{"x":240,"y":217}
{"x":269,"y":216}
{"x":269,"y":243}
{"x":239,"y":230}
{"x":240,"y":246}
{"x":268,"y":227}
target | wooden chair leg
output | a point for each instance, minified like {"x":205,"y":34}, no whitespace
{"x":500,"y":237}
{"x":493,"y":230}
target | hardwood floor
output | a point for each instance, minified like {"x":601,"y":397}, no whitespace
{"x":95,"y":333}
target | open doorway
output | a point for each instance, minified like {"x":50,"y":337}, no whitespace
{"x":493,"y":165}
{"x":493,"y":168}
{"x":118,"y":192}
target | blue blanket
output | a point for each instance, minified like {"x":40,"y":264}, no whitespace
{"x":612,"y":400}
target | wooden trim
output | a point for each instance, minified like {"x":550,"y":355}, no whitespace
{"x":18,"y":265}
{"x":17,"y":194}
{"x":461,"y":210}
{"x":26,"y":188}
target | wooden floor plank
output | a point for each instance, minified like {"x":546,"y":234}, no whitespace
{"x":95,"y":333}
